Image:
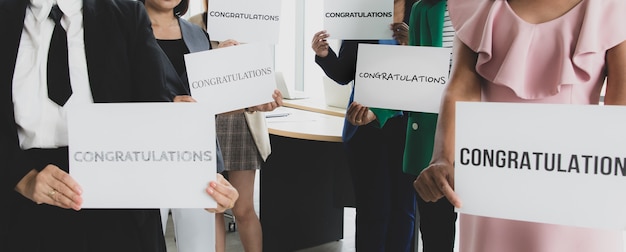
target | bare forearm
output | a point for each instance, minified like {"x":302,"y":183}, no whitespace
{"x":616,"y":75}
{"x":464,"y":86}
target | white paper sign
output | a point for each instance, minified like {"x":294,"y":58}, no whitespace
{"x":245,"y":21}
{"x":143,"y":155}
{"x":558,"y":164}
{"x":410,"y":78}
{"x":358,"y":19}
{"x":232,"y":78}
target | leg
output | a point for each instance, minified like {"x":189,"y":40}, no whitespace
{"x":437,"y":225}
{"x":248,"y":222}
{"x":194,"y":229}
{"x":402,"y":194}
{"x":165,"y":214}
{"x":220,"y":233}
{"x":371,"y":188}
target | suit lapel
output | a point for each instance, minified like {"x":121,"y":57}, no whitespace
{"x":194,"y":40}
{"x":93,"y":53}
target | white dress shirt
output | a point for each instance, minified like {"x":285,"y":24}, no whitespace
{"x":42,"y":123}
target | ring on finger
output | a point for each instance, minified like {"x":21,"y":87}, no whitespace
{"x":52,"y":193}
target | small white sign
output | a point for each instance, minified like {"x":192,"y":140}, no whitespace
{"x":245,"y":21}
{"x":358,"y":19}
{"x":557,"y":164}
{"x":232,"y":78}
{"x":409,"y":78}
{"x":143,"y":155}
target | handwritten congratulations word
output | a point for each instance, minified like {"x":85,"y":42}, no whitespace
{"x":244,"y":16}
{"x":358,"y":14}
{"x":231,"y":77}
{"x":585,"y":164}
{"x":142,"y":156}
{"x":400,"y":77}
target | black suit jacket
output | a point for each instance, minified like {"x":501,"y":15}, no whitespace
{"x":124,"y":64}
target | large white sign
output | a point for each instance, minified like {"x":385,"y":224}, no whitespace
{"x":558,"y":164}
{"x":358,"y":19}
{"x":410,"y":78}
{"x":245,"y":21}
{"x":232,"y":78}
{"x":143,"y":155}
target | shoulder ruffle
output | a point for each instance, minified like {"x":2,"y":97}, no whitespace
{"x":535,"y":60}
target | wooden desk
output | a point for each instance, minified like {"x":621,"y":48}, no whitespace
{"x":304,"y":181}
{"x":315,"y":105}
{"x":306,"y":125}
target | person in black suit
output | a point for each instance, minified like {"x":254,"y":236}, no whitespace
{"x":113,"y":57}
{"x":384,"y":197}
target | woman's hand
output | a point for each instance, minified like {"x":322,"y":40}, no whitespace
{"x":400,"y":32}
{"x":358,"y":114}
{"x":319,"y":44}
{"x":51,"y":186}
{"x":224,"y":194}
{"x":228,"y":43}
{"x":437,"y":181}
{"x":184,"y":98}
{"x":270,"y":106}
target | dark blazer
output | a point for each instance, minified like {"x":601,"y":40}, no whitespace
{"x":341,"y":69}
{"x":124,"y":64}
{"x":196,"y":40}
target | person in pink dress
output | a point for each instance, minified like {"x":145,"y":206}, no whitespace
{"x":528,"y":51}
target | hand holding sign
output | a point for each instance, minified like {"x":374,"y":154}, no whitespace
{"x":400,"y":32}
{"x":51,"y":186}
{"x":270,"y":106}
{"x":224,"y":194}
{"x":358,"y":114}
{"x":320,"y":44}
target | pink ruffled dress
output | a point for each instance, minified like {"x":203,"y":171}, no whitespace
{"x":559,"y":61}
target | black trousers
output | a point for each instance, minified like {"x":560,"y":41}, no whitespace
{"x":437,"y":225}
{"x":384,"y":194}
{"x":42,"y":228}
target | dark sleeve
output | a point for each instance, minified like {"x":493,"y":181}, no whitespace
{"x":342,"y":68}
{"x":153,"y":80}
{"x":173,"y":83}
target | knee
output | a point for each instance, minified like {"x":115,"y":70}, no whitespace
{"x":243,"y":213}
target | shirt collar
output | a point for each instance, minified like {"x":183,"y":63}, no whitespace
{"x":41,"y":8}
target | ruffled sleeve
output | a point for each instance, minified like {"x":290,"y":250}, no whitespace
{"x":536,"y":60}
{"x":603,"y":28}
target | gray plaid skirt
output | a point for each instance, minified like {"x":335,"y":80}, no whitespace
{"x":238,"y":147}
